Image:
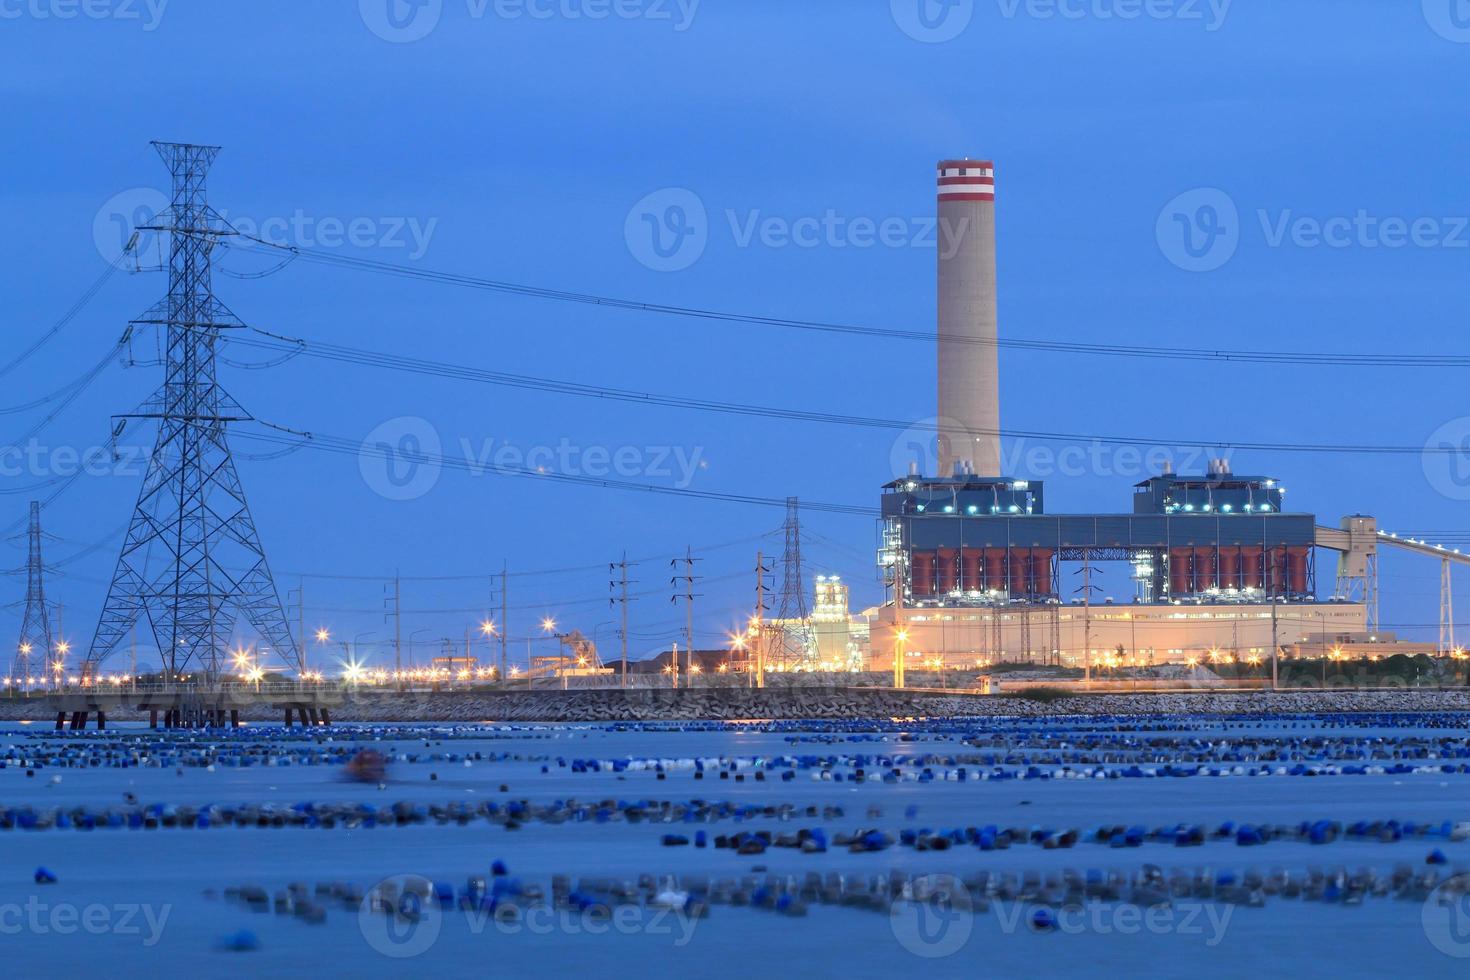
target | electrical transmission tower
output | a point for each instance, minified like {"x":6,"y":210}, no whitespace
{"x":192,"y":563}
{"x":794,"y":646}
{"x":35,"y":629}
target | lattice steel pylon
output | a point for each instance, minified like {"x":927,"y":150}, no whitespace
{"x":794,"y":646}
{"x":35,"y":627}
{"x":192,"y":563}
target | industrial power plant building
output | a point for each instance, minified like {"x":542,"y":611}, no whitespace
{"x":974,"y":566}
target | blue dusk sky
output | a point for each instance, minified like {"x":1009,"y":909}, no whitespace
{"x":1171,"y":173}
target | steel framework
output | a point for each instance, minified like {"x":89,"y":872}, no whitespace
{"x":794,"y":646}
{"x":35,"y":628}
{"x":192,"y":563}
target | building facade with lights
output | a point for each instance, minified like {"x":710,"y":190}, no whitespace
{"x":976,"y":572}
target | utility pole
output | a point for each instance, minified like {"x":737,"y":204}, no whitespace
{"x":394,"y":603}
{"x":686,"y":581}
{"x":1446,"y":611}
{"x":1086,"y":590}
{"x":620,"y":569}
{"x":900,"y":632}
{"x":504,"y":623}
{"x":758,"y":621}
{"x":1275,"y":648}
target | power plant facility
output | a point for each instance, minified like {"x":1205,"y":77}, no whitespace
{"x":977,"y":572}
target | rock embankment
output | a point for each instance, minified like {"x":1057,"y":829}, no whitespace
{"x":730,"y":704}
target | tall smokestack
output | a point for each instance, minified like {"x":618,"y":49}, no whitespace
{"x":969,"y":382}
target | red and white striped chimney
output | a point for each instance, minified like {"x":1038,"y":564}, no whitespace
{"x":969,"y":382}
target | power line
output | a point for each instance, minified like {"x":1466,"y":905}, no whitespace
{"x":74,"y":390}
{"x":534,"y":573}
{"x":70,"y":315}
{"x":1329,"y":358}
{"x":337,"y":352}
{"x":350,"y":447}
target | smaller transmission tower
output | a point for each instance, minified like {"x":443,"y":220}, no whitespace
{"x":35,"y":629}
{"x":794,"y":647}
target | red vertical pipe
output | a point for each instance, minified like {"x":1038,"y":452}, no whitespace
{"x":1019,"y":558}
{"x":1252,"y":568}
{"x":995,"y":569}
{"x":1296,"y":562}
{"x":1204,"y":569}
{"x":922,"y":574}
{"x":1230,"y":568}
{"x":972,"y":569}
{"x":947,"y":572}
{"x":1041,"y":570}
{"x":1178,"y":571}
{"x":1276,"y":570}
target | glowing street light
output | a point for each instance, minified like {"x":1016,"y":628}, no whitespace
{"x":488,"y":627}
{"x":323,"y":635}
{"x":548,"y":624}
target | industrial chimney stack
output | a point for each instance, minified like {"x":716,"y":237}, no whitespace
{"x":969,"y":383}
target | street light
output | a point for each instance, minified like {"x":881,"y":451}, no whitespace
{"x":411,"y":640}
{"x":355,"y":663}
{"x":548,"y":625}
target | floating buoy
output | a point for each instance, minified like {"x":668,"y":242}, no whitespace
{"x":240,"y":942}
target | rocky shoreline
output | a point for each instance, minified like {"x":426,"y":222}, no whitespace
{"x":815,"y":703}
